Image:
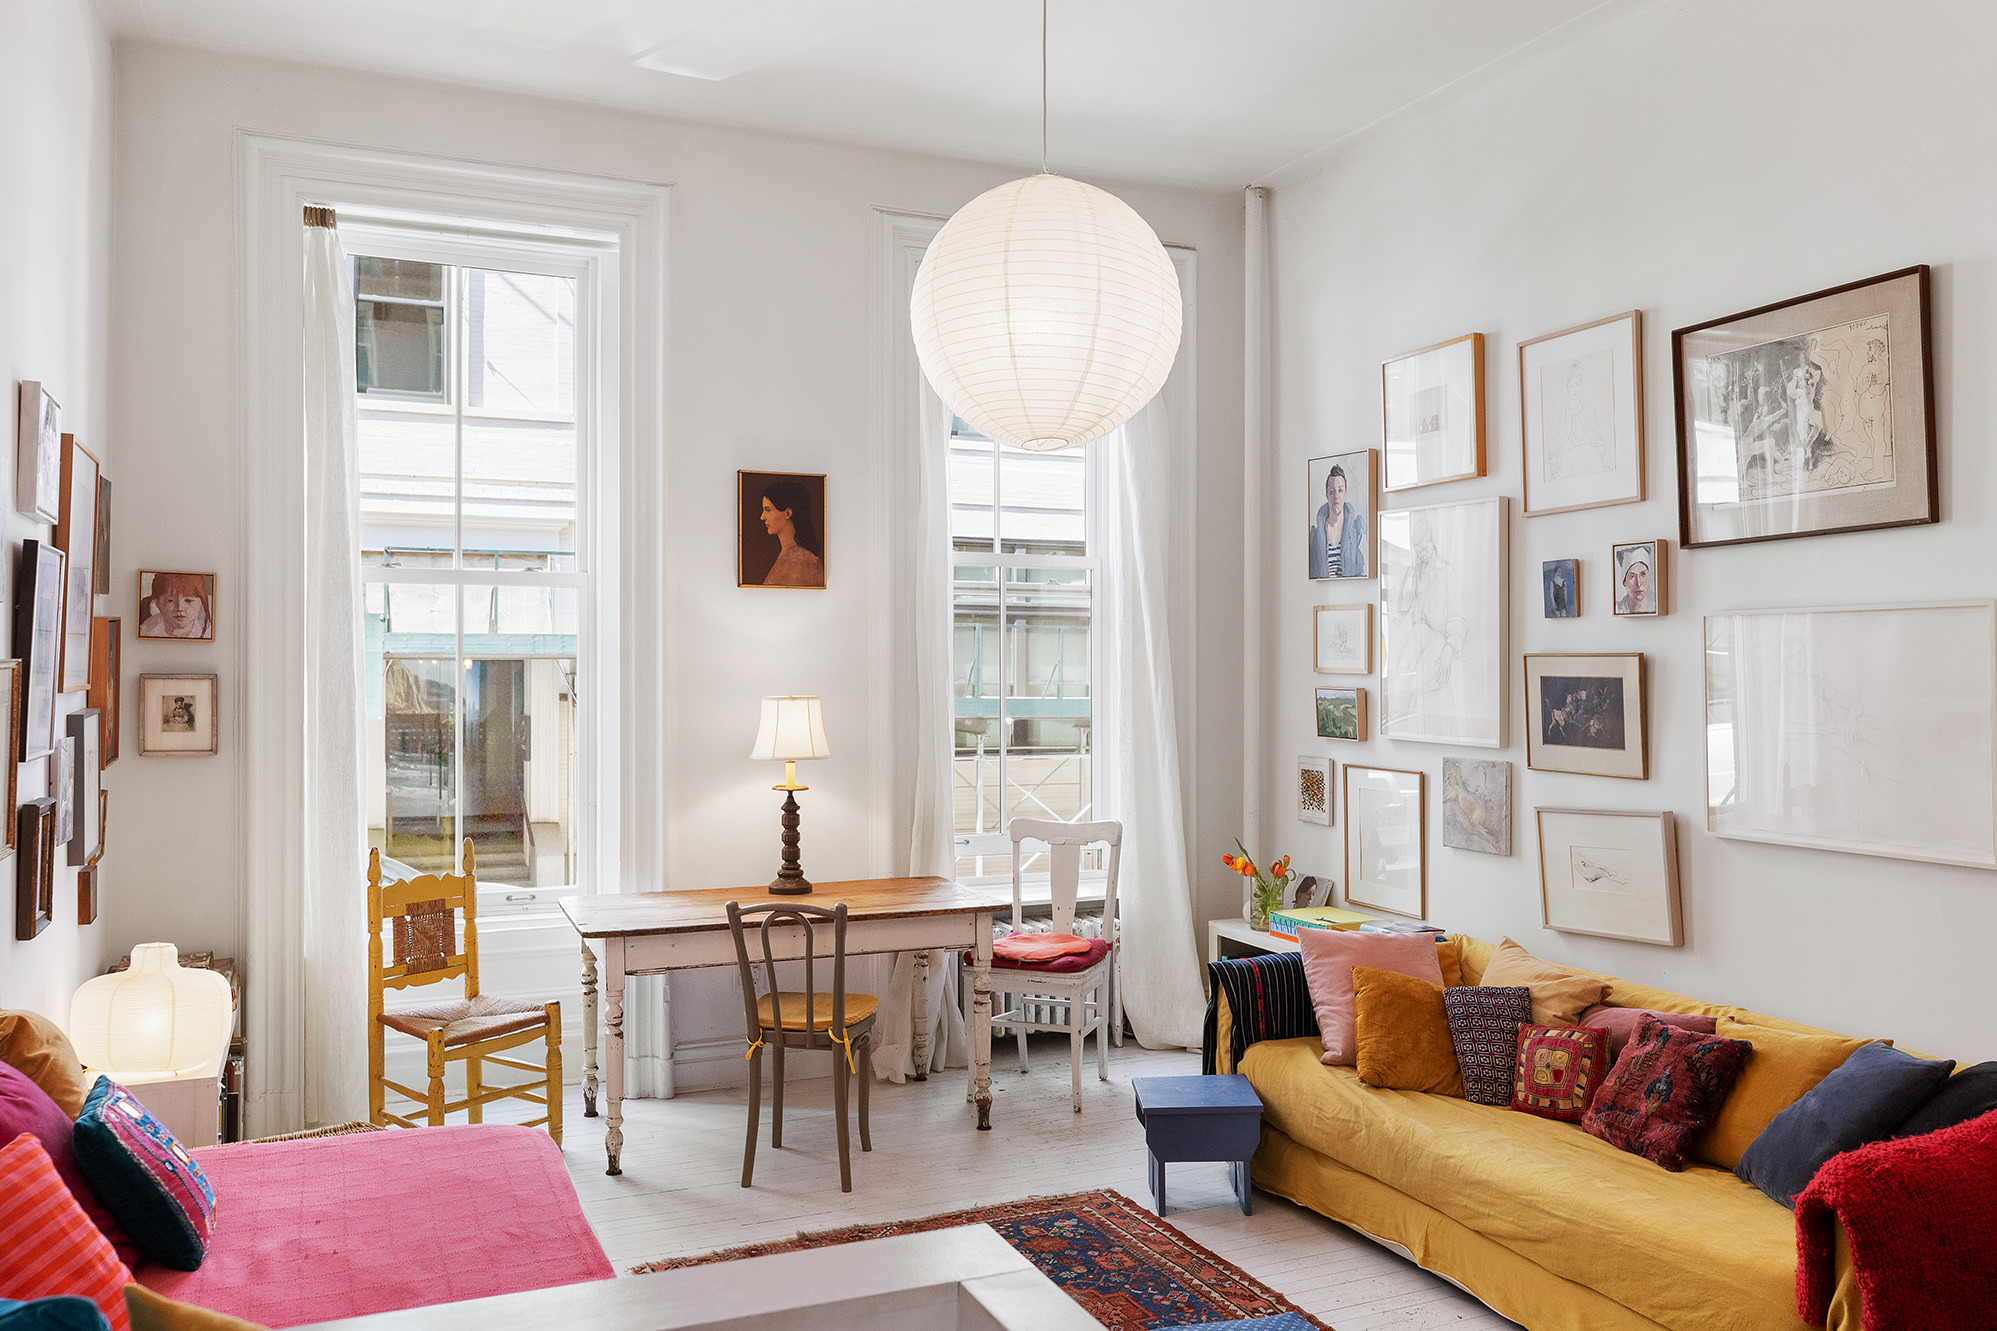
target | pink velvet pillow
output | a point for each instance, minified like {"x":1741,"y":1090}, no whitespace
{"x":1620,"y":1023}
{"x":1329,"y":956}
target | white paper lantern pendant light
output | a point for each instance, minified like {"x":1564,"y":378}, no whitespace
{"x":1046,"y":312}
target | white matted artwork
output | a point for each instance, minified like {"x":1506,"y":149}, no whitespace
{"x":1443,"y":623}
{"x":1581,"y":416}
{"x":1342,"y":640}
{"x":1865,"y":729}
{"x":1610,"y":874}
{"x":38,"y":464}
{"x":1477,"y":805}
{"x":1432,"y":407}
{"x":1385,"y":840}
{"x":1314,"y":790}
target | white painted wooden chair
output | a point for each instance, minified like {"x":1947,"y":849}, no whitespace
{"x":1049,"y":996}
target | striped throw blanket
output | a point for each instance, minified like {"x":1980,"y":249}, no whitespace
{"x":1266,"y":1000}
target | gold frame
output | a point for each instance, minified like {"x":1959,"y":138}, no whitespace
{"x":1476,"y":341}
{"x":1316,"y":643}
{"x":1421,"y":822}
{"x":139,"y":622}
{"x":824,"y":504}
{"x":1525,"y":440}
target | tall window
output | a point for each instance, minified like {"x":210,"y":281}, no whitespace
{"x":1023,"y":604}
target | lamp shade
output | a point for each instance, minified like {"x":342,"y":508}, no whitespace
{"x":154,"y":1022}
{"x":793,"y":727}
{"x":1046,"y":313}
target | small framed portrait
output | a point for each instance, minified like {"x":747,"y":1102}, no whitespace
{"x":1610,"y":874}
{"x":1342,"y":640}
{"x":780,"y":530}
{"x":1433,"y":413}
{"x":34,"y":868}
{"x":178,"y":716}
{"x":38,"y":593}
{"x":1640,"y":577}
{"x":1581,"y":416}
{"x":176,"y":607}
{"x":1340,"y":498}
{"x":38,"y":464}
{"x":106,"y":680}
{"x":1314,"y":790}
{"x":76,"y":537}
{"x":1341,"y":714}
{"x":1560,"y":588}
{"x":1587,"y":715}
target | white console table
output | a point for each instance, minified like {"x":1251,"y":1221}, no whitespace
{"x":1233,"y":938}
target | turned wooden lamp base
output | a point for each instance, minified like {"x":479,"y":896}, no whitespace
{"x":790,"y":880}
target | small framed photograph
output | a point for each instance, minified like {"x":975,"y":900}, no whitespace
{"x":177,"y":716}
{"x":1386,"y":848}
{"x":1341,"y":496}
{"x":34,"y":868}
{"x":1587,"y":715}
{"x":1342,"y":640}
{"x":62,"y":781}
{"x":1433,"y":408}
{"x":38,"y":596}
{"x":1560,"y":588}
{"x":86,"y":736}
{"x":1640,"y":577}
{"x":1581,"y":416}
{"x":780,"y":531}
{"x":107,"y":680}
{"x":1314,"y":790}
{"x":176,"y":607}
{"x":38,"y":464}
{"x":76,"y":537}
{"x":1477,"y":805}
{"x":1610,"y":874}
{"x":1341,"y":714}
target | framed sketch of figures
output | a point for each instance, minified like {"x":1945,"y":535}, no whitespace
{"x":1808,"y":416}
{"x":1433,"y":408}
{"x":1386,"y":849}
{"x":76,"y":537}
{"x":38,"y":462}
{"x":1865,"y":729}
{"x":1342,"y":640}
{"x":780,"y":529}
{"x":1585,"y":715}
{"x":1477,"y":805}
{"x":1314,"y":790}
{"x":1340,"y":491}
{"x":1581,"y":416}
{"x":38,"y":593}
{"x":1443,"y":623}
{"x":1610,"y":874}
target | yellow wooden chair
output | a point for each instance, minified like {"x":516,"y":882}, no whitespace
{"x":422,"y":914}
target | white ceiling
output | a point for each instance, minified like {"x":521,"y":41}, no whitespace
{"x":1210,"y":92}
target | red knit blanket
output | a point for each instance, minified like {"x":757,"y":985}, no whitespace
{"x":1921,"y":1216}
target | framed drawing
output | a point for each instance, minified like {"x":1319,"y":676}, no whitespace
{"x":62,"y":784}
{"x":1640,"y":576}
{"x":1314,"y":790}
{"x":10,"y":697}
{"x":38,"y":594}
{"x":1585,"y":714}
{"x":38,"y":461}
{"x":76,"y":537}
{"x":1864,"y":729}
{"x":176,"y":607}
{"x":86,"y":894}
{"x":1610,"y":874}
{"x":780,"y":529}
{"x":1560,"y":588}
{"x":1581,"y":416}
{"x":106,"y":680}
{"x":1433,"y":408}
{"x":177,"y":716}
{"x":1809,"y":416}
{"x":1342,"y":640}
{"x":34,"y":868}
{"x":86,"y":838}
{"x":1386,"y":840}
{"x":1477,"y":805}
{"x":1341,"y":714}
{"x":1341,"y":495}
{"x":1443,"y":623}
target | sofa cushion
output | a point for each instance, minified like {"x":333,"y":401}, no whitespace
{"x":1782,"y":1069}
{"x":153,"y":1312}
{"x":144,"y":1176}
{"x":1620,"y":1023}
{"x":47,"y":1244}
{"x":1869,"y":1095}
{"x":1558,"y":1070}
{"x":1329,"y":956}
{"x":1666,"y":1087}
{"x":25,"y":1108}
{"x":58,"y":1312}
{"x":1484,"y":1023}
{"x":1558,"y":997}
{"x":36,"y":1046}
{"x":1970,"y":1093}
{"x":1402,"y":1033}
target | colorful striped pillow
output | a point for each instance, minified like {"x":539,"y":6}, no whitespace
{"x":47,"y":1244}
{"x":144,"y":1177}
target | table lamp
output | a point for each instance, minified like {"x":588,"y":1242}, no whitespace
{"x":793,"y":728}
{"x":157,"y":1021}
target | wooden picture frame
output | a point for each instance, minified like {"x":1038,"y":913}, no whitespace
{"x":1445,"y":597}
{"x":1342,"y":639}
{"x":1809,"y":416}
{"x":107,"y":678}
{"x":10,"y":695}
{"x":1581,"y":416}
{"x":86,"y":839}
{"x":38,"y":600}
{"x":101,"y":585}
{"x":1341,"y":713}
{"x":1640,"y":593}
{"x":1477,"y":805}
{"x":86,"y":894}
{"x":778,"y":542}
{"x":76,"y":537}
{"x":1314,"y":789}
{"x":1386,"y":809}
{"x":34,"y":868}
{"x":38,"y":455}
{"x":1432,"y":413}
{"x":176,"y":605}
{"x":1586,"y":714}
{"x":1634,"y":854}
{"x":179,"y":716}
{"x":1359,"y":470}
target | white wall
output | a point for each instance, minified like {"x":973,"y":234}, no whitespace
{"x":55,"y":218}
{"x":1691,"y":159}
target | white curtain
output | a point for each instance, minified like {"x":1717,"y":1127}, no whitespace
{"x":1159,"y":957}
{"x":333,"y":975}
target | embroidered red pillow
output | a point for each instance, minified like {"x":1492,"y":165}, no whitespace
{"x":1667,"y":1086}
{"x":47,"y":1244}
{"x":1558,"y":1070}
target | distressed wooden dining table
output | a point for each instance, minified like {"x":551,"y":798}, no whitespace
{"x":650,"y":933}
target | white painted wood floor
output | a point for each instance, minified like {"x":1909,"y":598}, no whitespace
{"x":680,"y":1191}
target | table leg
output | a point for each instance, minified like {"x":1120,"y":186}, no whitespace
{"x":1244,"y":1191}
{"x":588,"y":1030}
{"x":981,"y":1021}
{"x":613,"y":1050}
{"x":919,"y":1003}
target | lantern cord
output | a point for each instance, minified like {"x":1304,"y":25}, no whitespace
{"x":1043,"y":87}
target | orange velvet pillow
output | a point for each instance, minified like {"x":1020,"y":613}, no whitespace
{"x":36,"y":1048}
{"x":1558,"y":999}
{"x":1403,"y":1033}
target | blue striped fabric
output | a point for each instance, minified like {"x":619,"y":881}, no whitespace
{"x":1266,"y":1000}
{"x":1279,"y":1322}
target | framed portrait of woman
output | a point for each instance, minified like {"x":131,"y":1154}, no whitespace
{"x":1340,"y":492}
{"x":176,"y":607}
{"x":780,"y":530}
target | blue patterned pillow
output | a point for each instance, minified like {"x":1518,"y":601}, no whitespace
{"x":144,"y":1177}
{"x":1484,"y":1023}
{"x":64,"y":1312}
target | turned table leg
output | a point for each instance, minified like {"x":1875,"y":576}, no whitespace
{"x":588,"y":1030}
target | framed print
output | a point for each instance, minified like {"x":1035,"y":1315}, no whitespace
{"x":86,"y":894}
{"x":1385,"y":840}
{"x":86,"y":838}
{"x":176,"y":607}
{"x":106,"y":680}
{"x":1585,"y":714}
{"x":1341,"y":491}
{"x":76,"y":537}
{"x":38,"y":461}
{"x":1610,"y":874}
{"x":1640,"y":576}
{"x":1477,"y":805}
{"x":38,"y":595}
{"x":1581,"y":416}
{"x":34,"y":868}
{"x":780,"y":529}
{"x":1863,"y":729}
{"x":1341,"y":714}
{"x":10,"y":697}
{"x":177,"y":716}
{"x":1314,"y":790}
{"x":101,"y":585}
{"x":1809,"y":416}
{"x":1433,"y":407}
{"x":1443,"y":623}
{"x":1342,"y":640}
{"x":1560,"y":588}
{"x":62,"y":782}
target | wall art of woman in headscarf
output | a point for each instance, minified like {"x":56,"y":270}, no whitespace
{"x":177,"y":605}
{"x":780,"y":538}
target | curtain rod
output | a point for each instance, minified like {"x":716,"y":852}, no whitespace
{"x":317,"y":216}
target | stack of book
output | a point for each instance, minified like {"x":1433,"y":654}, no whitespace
{"x":1286,"y":923}
{"x":1397,"y":927}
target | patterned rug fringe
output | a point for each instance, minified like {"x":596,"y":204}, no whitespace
{"x":337,"y":1130}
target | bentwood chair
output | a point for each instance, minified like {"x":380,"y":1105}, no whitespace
{"x":473,"y":1029}
{"x":807,"y":1019}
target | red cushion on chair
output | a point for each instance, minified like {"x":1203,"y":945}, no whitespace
{"x":1038,"y":947}
{"x":1079,"y":961}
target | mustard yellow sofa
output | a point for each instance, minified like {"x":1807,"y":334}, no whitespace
{"x":1549,"y":1226}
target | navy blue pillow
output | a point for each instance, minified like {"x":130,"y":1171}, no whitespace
{"x":1863,"y":1101}
{"x":1970,"y":1093}
{"x":63,"y":1312}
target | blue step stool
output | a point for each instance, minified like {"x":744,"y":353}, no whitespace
{"x":1190,"y":1119}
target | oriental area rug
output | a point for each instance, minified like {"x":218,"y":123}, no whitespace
{"x":1128,"y":1268}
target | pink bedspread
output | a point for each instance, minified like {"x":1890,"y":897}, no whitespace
{"x":308,"y":1231}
